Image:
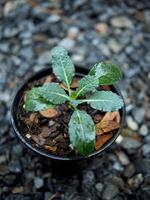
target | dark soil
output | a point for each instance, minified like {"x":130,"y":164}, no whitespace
{"x":51,"y":133}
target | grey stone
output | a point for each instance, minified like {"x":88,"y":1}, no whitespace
{"x":135,"y":181}
{"x":16,"y":60}
{"x":4,"y":47}
{"x":53,"y":18}
{"x":138,"y":114}
{"x":44,"y":58}
{"x":117,"y":166}
{"x":15,"y":166}
{"x":77,"y":58}
{"x":38,"y":182}
{"x":51,"y":123}
{"x":105,"y":51}
{"x":114,"y":45}
{"x":123,"y":158}
{"x":130,"y":144}
{"x":99,"y":187}
{"x":3,"y":127}
{"x":143,"y":130}
{"x":146,"y":150}
{"x":73,"y":32}
{"x":129,"y":171}
{"x":10,"y":32}
{"x":121,"y":22}
{"x":71,"y":194}
{"x":110,"y":192}
{"x":47,"y":195}
{"x":142,"y":165}
{"x":88,"y":180}
{"x":25,"y":34}
{"x":3,"y":159}
{"x":67,"y":43}
{"x":27,"y":53}
{"x":17,"y":149}
{"x":22,"y":69}
{"x":114,"y":180}
{"x":131,"y":123}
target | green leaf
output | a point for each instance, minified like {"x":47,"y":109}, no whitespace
{"x":105,"y":101}
{"x":87,"y":84}
{"x":75,"y":102}
{"x":62,"y":65}
{"x":107,"y":73}
{"x":82,"y":132}
{"x":53,"y":93}
{"x":34,"y":101}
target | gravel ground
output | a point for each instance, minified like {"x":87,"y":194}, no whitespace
{"x":91,"y":30}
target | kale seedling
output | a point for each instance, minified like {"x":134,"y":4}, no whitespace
{"x":81,"y":127}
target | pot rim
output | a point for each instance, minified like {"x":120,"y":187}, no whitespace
{"x":39,"y":151}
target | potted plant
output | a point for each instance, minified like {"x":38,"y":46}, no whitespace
{"x":68,"y":115}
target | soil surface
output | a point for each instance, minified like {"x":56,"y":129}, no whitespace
{"x":51,"y":134}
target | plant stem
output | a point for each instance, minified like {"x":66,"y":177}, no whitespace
{"x":73,"y":107}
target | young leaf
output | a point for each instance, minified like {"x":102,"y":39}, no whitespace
{"x":62,"y":65}
{"x":107,"y":73}
{"x":87,"y":84}
{"x":75,"y":102}
{"x":82,"y":132}
{"x":105,"y":101}
{"x":34,"y":102}
{"x":53,"y":93}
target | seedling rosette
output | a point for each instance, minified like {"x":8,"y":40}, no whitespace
{"x":81,"y":128}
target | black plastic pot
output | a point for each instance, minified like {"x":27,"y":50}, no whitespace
{"x":80,"y":72}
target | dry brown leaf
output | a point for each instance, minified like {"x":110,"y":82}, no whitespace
{"x":50,"y":148}
{"x":74,"y":83}
{"x":49,"y":113}
{"x":33,"y":118}
{"x":108,"y":126}
{"x":99,"y":131}
{"x":109,"y":122}
{"x":109,"y":116}
{"x":102,"y":139}
{"x":49,"y":79}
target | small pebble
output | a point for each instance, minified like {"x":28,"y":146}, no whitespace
{"x":51,"y":123}
{"x":121,"y":22}
{"x":131,"y":123}
{"x":99,"y":187}
{"x":73,"y":32}
{"x":114,"y":45}
{"x":129,"y":171}
{"x":110,"y":192}
{"x":130,"y":144}
{"x":123,"y":158}
{"x":135,"y":181}
{"x":67,"y":43}
{"x":138,"y":114}
{"x":146,"y":150}
{"x":38,"y":182}
{"x":143,"y":130}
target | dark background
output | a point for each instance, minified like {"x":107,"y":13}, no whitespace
{"x":91,"y":31}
